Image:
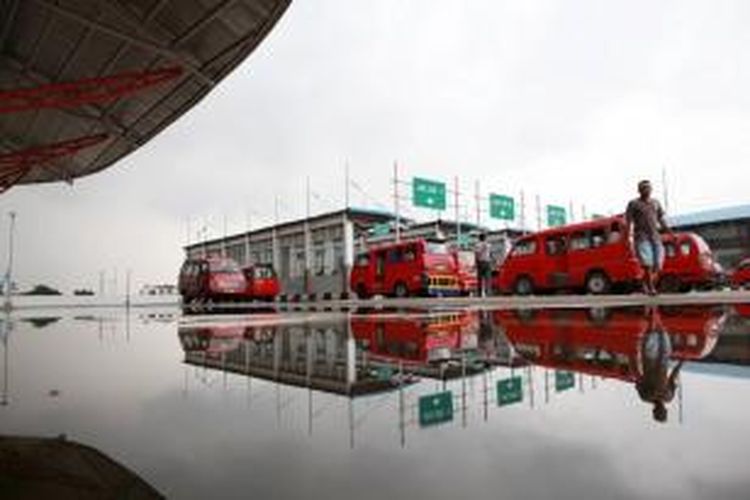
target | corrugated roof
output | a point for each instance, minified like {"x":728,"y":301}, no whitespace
{"x":45,"y":42}
{"x":710,"y":216}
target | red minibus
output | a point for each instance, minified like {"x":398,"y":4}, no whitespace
{"x":416,"y":267}
{"x":211,"y":278}
{"x":740,"y":276}
{"x":688,"y":263}
{"x":262,"y":282}
{"x":595,"y":256}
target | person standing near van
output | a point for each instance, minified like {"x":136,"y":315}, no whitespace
{"x":645,"y":220}
{"x":483,"y":256}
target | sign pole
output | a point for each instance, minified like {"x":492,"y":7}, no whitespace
{"x":478,"y":202}
{"x":458,"y":216}
{"x":523,"y":212}
{"x":538,"y":213}
{"x":395,"y":201}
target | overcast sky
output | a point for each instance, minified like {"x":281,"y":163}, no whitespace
{"x":568,"y":100}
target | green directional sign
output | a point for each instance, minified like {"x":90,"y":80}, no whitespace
{"x":598,"y":216}
{"x":381,"y":229}
{"x":428,"y":194}
{"x":509,"y":391}
{"x":436,"y":408}
{"x":502,"y":207}
{"x":564,"y":380}
{"x":556,"y":216}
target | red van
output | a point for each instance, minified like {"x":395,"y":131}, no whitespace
{"x":740,"y":277}
{"x":416,"y":267}
{"x":466,"y":264}
{"x":688,"y":263}
{"x":595,"y":256}
{"x":211,"y":278}
{"x":262,"y":282}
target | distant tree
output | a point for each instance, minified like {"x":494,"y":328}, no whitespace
{"x":42,"y":290}
{"x":83,"y":291}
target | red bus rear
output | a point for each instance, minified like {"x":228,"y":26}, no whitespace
{"x":417,"y":267}
{"x":595,"y":256}
{"x":689,"y":264}
{"x":262,"y":282}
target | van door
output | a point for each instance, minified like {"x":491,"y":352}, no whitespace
{"x":380,"y":270}
{"x":554,"y":266}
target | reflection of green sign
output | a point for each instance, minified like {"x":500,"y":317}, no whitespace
{"x":384,"y":373}
{"x":436,"y":408}
{"x":564,"y":380}
{"x":428,"y":194}
{"x":598,"y":216}
{"x":502,"y":207}
{"x":556,"y":216}
{"x":381,"y":229}
{"x":509,"y":391}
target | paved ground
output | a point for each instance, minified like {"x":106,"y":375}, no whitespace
{"x":506,"y":302}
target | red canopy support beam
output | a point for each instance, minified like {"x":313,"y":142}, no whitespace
{"x":85,"y":91}
{"x":14,"y":165}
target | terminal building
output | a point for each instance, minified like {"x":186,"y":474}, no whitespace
{"x":314,"y":256}
{"x":726,"y":230}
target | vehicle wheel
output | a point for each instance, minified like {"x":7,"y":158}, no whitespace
{"x":524,"y":286}
{"x":597,"y":283}
{"x":670,"y":284}
{"x":362,"y":292}
{"x":400,"y":290}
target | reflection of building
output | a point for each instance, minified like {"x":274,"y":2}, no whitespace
{"x":306,"y":356}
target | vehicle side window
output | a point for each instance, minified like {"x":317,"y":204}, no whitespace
{"x":555,"y":245}
{"x":395,"y":255}
{"x":598,"y":237}
{"x":685,"y":248}
{"x":363,"y":259}
{"x":579,"y":241}
{"x":526,"y":247}
{"x":410,"y":253}
{"x":669,"y":250}
{"x":380,"y":263}
{"x":615,"y":233}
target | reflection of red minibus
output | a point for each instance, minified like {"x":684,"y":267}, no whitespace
{"x":595,"y":256}
{"x":262,"y":283}
{"x":414,"y":339}
{"x":466,"y":264}
{"x":688,"y":263}
{"x":606,"y":343}
{"x":416,"y":267}
{"x":214,"y":278}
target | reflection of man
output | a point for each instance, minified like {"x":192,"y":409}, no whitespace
{"x":654,"y":383}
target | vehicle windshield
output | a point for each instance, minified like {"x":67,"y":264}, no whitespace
{"x":264,"y":272}
{"x":434,"y":248}
{"x":467,"y":259}
{"x":223,"y":266}
{"x":703,"y":247}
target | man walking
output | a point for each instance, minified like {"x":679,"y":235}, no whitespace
{"x":483,"y":257}
{"x":645,"y":220}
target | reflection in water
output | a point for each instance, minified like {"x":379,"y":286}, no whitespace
{"x":5,"y":328}
{"x":643,"y":346}
{"x":357,"y":354}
